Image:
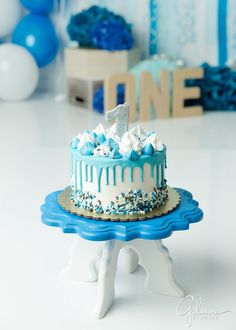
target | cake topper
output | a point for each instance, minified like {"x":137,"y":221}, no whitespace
{"x":120,"y":115}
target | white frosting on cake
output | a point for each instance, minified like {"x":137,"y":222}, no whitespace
{"x":140,"y":132}
{"x":99,"y":129}
{"x":105,"y":166}
{"x":85,"y":138}
{"x":129,"y":142}
{"x":154,"y":140}
{"x":101,"y":150}
{"x":111,"y":135}
{"x":113,"y":128}
{"x":110,"y":191}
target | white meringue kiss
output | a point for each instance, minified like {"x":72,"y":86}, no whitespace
{"x":140,"y":132}
{"x":111,"y":135}
{"x":113,"y":128}
{"x":101,"y":150}
{"x":155,"y":142}
{"x":129,"y":142}
{"x":79,"y":136}
{"x":99,"y":130}
{"x":86,"y":137}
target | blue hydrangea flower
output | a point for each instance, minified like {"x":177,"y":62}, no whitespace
{"x":218,"y":88}
{"x":112,"y":34}
{"x":80,"y":25}
{"x":97,"y":27}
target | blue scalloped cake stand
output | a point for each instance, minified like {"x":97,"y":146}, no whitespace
{"x":95,"y":256}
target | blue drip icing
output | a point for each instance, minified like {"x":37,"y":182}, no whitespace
{"x":141,"y":174}
{"x":131,"y":174}
{"x":80,"y":176}
{"x":86,"y":172}
{"x":157,"y":175}
{"x":91,"y":173}
{"x":74,"y":165}
{"x":122,"y":174}
{"x":114,"y":175}
{"x":159,"y":158}
{"x":99,"y":174}
{"x":152,"y":170}
{"x":107,"y":176}
{"x":162,"y":176}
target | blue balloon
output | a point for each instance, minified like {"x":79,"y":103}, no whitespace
{"x":38,"y":6}
{"x":37,"y":34}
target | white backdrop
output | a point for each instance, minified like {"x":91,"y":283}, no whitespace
{"x":186,"y":29}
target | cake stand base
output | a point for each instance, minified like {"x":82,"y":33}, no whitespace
{"x":94,"y":256}
{"x":100,"y":263}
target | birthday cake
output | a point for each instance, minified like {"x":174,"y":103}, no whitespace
{"x":118,"y":175}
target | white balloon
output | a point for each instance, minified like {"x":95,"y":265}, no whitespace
{"x":10,"y":12}
{"x":19,"y":73}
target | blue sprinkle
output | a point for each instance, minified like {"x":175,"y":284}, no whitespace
{"x":135,"y":202}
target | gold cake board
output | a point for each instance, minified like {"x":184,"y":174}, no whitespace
{"x":67,"y":204}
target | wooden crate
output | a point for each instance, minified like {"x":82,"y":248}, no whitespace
{"x":80,"y":91}
{"x":90,"y":64}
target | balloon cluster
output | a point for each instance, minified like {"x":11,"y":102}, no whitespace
{"x":218,"y":88}
{"x":36,"y":33}
{"x":98,"y":99}
{"x":34,"y":45}
{"x":97,"y":27}
{"x":10,"y":12}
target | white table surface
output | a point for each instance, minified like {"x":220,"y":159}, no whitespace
{"x":34,"y":146}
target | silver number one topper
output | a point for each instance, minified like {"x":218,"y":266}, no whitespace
{"x":121,"y":116}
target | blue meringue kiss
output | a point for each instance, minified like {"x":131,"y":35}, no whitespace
{"x":132,"y":155}
{"x":87,"y":149}
{"x":115,"y":154}
{"x":111,"y":143}
{"x":100,"y":138}
{"x":74,"y":143}
{"x":148,"y":149}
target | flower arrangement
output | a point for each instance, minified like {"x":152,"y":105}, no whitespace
{"x":218,"y":88}
{"x":97,"y":27}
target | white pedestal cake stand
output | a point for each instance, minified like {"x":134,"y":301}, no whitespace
{"x":103,"y":240}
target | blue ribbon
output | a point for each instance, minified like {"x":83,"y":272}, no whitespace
{"x":222,"y":32}
{"x":153,"y":27}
